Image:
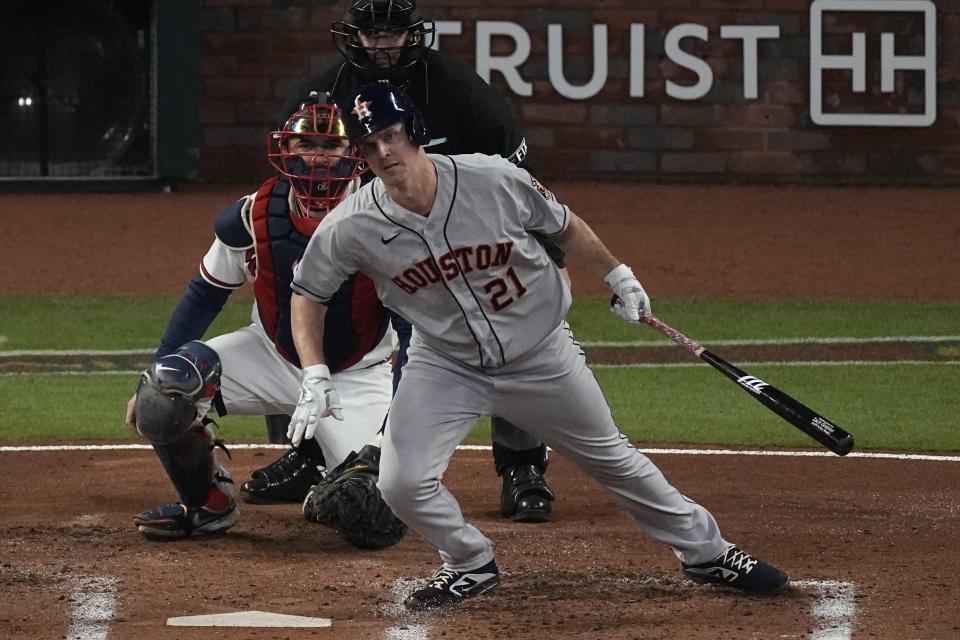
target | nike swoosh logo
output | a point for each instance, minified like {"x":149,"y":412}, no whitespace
{"x":390,"y":239}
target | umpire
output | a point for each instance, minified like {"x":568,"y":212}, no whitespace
{"x":390,"y":40}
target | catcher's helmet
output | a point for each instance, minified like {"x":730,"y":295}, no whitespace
{"x":397,"y":17}
{"x":170,"y":389}
{"x":378,"y":105}
{"x":313,"y":152}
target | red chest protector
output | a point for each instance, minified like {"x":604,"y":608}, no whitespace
{"x":356,"y":321}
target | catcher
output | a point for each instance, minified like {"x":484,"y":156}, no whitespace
{"x":256,"y":370}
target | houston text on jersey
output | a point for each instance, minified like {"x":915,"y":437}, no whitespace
{"x":452,"y":263}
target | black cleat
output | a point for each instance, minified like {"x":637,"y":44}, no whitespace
{"x":448,"y":588}
{"x":738,"y":569}
{"x":287,"y":480}
{"x":525,"y":496}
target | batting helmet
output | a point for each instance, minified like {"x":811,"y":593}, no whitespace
{"x":378,"y":105}
{"x":170,"y":390}
{"x":392,"y":18}
{"x":313,"y":152}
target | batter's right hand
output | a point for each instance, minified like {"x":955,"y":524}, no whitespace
{"x":631,"y":301}
{"x":318,"y":399}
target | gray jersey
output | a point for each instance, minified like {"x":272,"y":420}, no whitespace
{"x":482,"y":293}
{"x":459,"y":274}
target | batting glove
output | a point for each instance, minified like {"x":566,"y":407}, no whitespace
{"x":631,"y":302}
{"x":318,"y":399}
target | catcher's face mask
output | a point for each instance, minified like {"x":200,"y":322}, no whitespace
{"x":313,"y":152}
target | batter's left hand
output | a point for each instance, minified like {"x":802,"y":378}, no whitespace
{"x":631,"y":302}
{"x":318,"y":399}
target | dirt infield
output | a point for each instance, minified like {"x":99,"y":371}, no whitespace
{"x":871,"y":544}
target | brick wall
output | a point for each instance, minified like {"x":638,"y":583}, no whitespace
{"x":640,"y":123}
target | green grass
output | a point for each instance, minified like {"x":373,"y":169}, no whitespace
{"x":902,"y":407}
{"x":705,"y":320}
{"x":74,"y":321}
{"x":62,"y":321}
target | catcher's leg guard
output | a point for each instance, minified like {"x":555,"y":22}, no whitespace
{"x":205,"y":487}
{"x":176,"y":391}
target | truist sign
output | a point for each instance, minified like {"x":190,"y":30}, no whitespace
{"x":890,"y":62}
{"x":857,"y":56}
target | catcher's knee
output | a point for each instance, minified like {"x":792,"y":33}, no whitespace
{"x":176,"y":391}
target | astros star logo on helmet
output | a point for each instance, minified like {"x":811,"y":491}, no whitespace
{"x":361,"y":109}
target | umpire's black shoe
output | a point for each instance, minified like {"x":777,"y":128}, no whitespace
{"x":736,"y":568}
{"x":286,"y":480}
{"x":525,"y":496}
{"x":448,"y":588}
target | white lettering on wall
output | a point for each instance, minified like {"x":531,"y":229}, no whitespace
{"x":636,"y":60}
{"x":703,"y":71}
{"x":555,"y":63}
{"x":507,"y":65}
{"x":445,"y":28}
{"x":750,"y":35}
{"x":855,"y":62}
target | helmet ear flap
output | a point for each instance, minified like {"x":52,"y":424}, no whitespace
{"x":416,"y":131}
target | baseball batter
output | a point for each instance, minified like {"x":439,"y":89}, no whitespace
{"x":448,"y":243}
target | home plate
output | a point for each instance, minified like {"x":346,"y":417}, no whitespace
{"x":248,"y":619}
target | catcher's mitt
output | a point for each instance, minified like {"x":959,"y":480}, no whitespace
{"x":348,"y":500}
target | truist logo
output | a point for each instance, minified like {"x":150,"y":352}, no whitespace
{"x":752,"y":384}
{"x":872,"y":62}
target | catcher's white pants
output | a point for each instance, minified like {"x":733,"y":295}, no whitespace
{"x":257,"y":380}
{"x":554,"y":395}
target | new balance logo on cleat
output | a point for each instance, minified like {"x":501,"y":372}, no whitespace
{"x":468,"y":584}
{"x":715,"y":573}
{"x":174,"y":520}
{"x":736,"y":568}
{"x":447,"y":587}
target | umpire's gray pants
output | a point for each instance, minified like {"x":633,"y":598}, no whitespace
{"x":554,"y":395}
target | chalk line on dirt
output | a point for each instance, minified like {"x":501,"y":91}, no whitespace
{"x":599,"y":365}
{"x":407,"y":628}
{"x":93,"y":607}
{"x":772,"y":342}
{"x":759,"y":342}
{"x":834,"y":609}
{"x":486,"y":447}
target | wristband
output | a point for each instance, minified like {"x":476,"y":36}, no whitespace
{"x":618,"y":273}
{"x":316,"y":371}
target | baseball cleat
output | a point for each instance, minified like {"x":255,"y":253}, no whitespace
{"x":448,"y":588}
{"x":525,"y":496}
{"x":175,"y":520}
{"x":736,"y":568}
{"x":287,"y":480}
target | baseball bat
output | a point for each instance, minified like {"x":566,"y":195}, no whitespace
{"x":796,"y":413}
